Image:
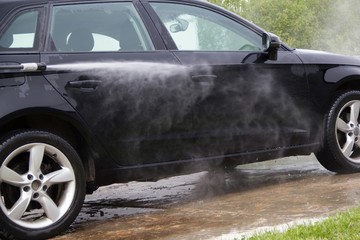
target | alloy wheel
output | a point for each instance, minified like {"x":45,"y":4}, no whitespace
{"x":348,"y":131}
{"x":37,"y":185}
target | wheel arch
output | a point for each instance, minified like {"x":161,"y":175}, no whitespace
{"x":59,"y":123}
{"x":349,"y":83}
{"x":337,"y":79}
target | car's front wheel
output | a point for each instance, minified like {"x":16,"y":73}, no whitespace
{"x":42,"y":185}
{"x":340,"y":151}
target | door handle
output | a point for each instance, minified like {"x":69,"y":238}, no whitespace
{"x":85,"y":84}
{"x":203,"y":78}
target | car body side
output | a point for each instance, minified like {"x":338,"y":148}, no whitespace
{"x":23,"y":105}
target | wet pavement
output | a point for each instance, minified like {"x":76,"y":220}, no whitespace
{"x":216,"y":205}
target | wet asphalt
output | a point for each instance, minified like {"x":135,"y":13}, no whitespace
{"x":216,"y":205}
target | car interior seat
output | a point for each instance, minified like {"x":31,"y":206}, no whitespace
{"x":6,"y":40}
{"x":81,"y":40}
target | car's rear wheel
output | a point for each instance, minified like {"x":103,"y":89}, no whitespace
{"x":340,"y":150}
{"x":42,"y":185}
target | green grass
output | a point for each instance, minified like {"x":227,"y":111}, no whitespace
{"x":344,"y":225}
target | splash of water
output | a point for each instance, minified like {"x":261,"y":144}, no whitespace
{"x":138,"y":101}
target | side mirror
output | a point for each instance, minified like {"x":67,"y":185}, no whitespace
{"x":271,"y":44}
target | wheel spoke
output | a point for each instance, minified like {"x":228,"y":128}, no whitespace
{"x":11,"y":177}
{"x":36,"y":158}
{"x":354,"y":112}
{"x":60,"y":176}
{"x":19,"y":208}
{"x":51,"y":209}
{"x":348,"y":147}
{"x":342,"y":126}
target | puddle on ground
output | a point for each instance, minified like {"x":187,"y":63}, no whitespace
{"x":210,"y":204}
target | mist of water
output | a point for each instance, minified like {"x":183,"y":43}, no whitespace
{"x":340,"y":33}
{"x":155,"y":96}
{"x":138,"y":101}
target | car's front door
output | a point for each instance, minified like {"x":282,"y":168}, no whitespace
{"x":111,"y":65}
{"x":252,"y":103}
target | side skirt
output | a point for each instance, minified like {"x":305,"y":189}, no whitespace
{"x":156,"y":171}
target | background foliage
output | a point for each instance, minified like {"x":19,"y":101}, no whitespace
{"x":331,"y":25}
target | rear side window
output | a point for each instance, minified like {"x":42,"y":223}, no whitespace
{"x":21,"y":33}
{"x":98,"y":27}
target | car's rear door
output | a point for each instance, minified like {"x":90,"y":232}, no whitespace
{"x":251,"y":103}
{"x":111,"y":65}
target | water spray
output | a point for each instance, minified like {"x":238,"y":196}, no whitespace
{"x":28,"y":67}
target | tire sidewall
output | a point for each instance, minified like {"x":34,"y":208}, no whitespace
{"x":330,"y":132}
{"x":16,"y":140}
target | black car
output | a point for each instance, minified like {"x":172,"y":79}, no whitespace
{"x":98,"y":92}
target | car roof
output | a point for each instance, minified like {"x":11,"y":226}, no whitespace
{"x":24,"y":2}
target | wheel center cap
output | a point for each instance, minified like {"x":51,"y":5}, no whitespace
{"x":36,"y":185}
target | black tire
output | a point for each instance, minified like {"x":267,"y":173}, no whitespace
{"x":44,"y":173}
{"x":340,"y":150}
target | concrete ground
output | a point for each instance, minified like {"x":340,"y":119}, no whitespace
{"x":216,"y":205}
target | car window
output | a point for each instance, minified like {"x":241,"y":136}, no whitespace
{"x":20,"y":34}
{"x":98,"y":27}
{"x":195,"y":28}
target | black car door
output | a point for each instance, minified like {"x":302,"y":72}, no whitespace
{"x":111,"y":65}
{"x":251,"y":103}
